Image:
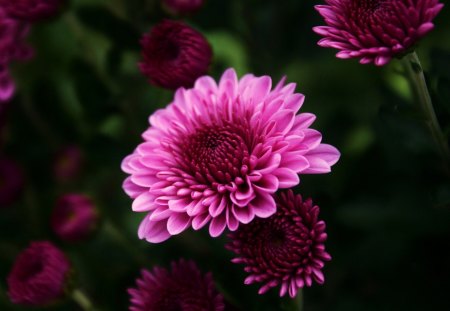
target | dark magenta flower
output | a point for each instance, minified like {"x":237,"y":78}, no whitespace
{"x":218,"y":152}
{"x":74,"y":217}
{"x":375,"y":31}
{"x":12,"y":47}
{"x":174,"y":55}
{"x":184,"y":288}
{"x":39,"y":275}
{"x":286,"y":249}
{"x":183,"y":6}
{"x":11,"y":181}
{"x":32,"y":10}
{"x":68,"y":163}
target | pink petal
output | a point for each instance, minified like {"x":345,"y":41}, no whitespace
{"x":154,"y":231}
{"x":263,"y":205}
{"x":217,"y":225}
{"x":177,"y":223}
{"x":287,"y":178}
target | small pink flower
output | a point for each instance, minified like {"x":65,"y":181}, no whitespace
{"x":218,"y":152}
{"x":183,"y":6}
{"x":286,"y":249}
{"x":74,"y":217}
{"x":32,"y":10}
{"x":375,"y":31}
{"x":39,"y":275}
{"x":183,"y":288}
{"x":174,"y":54}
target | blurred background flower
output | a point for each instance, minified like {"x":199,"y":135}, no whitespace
{"x":386,"y":204}
{"x":39,"y":276}
{"x":184,"y":287}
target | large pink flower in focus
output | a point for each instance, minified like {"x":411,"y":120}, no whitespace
{"x":375,"y":30}
{"x":218,"y":152}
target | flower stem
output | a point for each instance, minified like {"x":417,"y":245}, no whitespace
{"x":119,"y":238}
{"x":419,"y":87}
{"x":82,"y":300}
{"x":299,"y":300}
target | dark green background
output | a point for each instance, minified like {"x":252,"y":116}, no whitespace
{"x":386,"y":203}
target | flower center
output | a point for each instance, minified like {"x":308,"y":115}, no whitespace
{"x":31,"y":270}
{"x":218,"y":154}
{"x":172,"y":50}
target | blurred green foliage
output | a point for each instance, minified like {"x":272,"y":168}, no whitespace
{"x":386,"y":203}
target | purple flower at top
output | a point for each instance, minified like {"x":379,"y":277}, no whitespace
{"x":12,"y":47}
{"x":74,"y":217}
{"x":39,"y":276}
{"x":217,"y":154}
{"x":32,"y":10}
{"x":286,"y":249}
{"x":11,"y":181}
{"x":183,"y":6}
{"x":184,"y":288}
{"x":174,"y":54}
{"x":375,"y":31}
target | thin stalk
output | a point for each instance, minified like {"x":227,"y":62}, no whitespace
{"x":419,"y":87}
{"x":119,"y":238}
{"x":82,"y":300}
{"x":299,"y":300}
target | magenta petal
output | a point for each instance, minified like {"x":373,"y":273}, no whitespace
{"x":287,"y":178}
{"x":144,"y":202}
{"x":217,"y":225}
{"x":263,"y":205}
{"x":200,"y":221}
{"x":177,"y":223}
{"x":154,"y":231}
{"x":326,"y":152}
{"x":243,"y":214}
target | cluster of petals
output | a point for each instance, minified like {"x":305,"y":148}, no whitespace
{"x":375,"y":31}
{"x":183,"y":288}
{"x":39,"y":276}
{"x":218,"y":153}
{"x":286,"y":249}
{"x":174,"y":55}
{"x":31,"y":10}
{"x":12,"y":47}
{"x":74,"y":217}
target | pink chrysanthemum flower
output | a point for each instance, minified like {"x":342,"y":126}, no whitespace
{"x":285,"y":249}
{"x":184,"y":288}
{"x":74,"y":218}
{"x":217,"y":153}
{"x":32,"y":10}
{"x":39,"y":275}
{"x":375,"y":31}
{"x":174,"y":54}
{"x":12,"y":47}
{"x":183,"y":6}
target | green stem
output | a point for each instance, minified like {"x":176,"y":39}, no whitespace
{"x":118,"y":237}
{"x":419,"y":87}
{"x":299,"y":300}
{"x":82,"y":300}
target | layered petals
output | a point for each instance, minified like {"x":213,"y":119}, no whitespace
{"x":218,"y":153}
